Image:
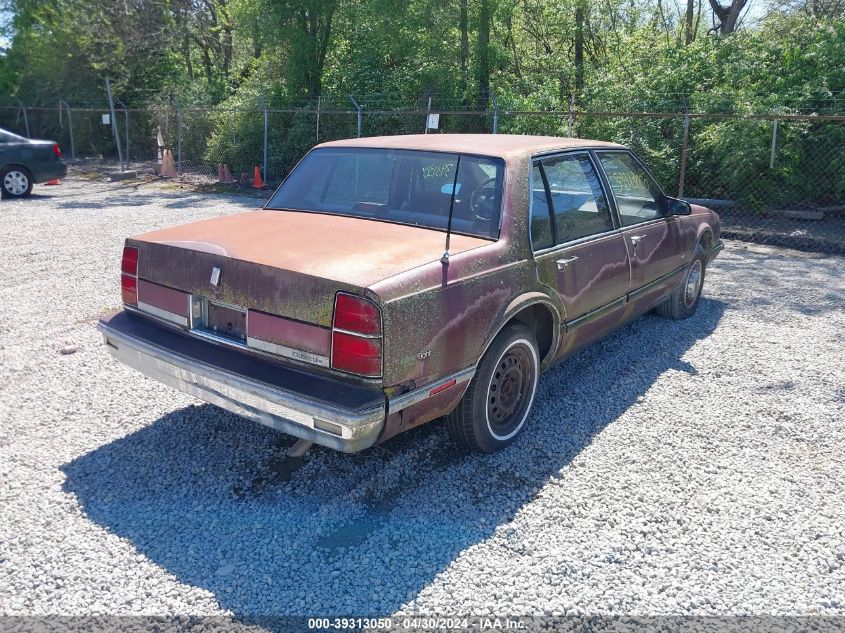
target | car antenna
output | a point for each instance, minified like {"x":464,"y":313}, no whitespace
{"x":445,"y":259}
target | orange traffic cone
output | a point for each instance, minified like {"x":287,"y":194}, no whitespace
{"x":256,"y":181}
{"x":224,"y":176}
{"x":55,"y":181}
{"x":168,"y":165}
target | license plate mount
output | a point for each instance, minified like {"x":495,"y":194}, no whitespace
{"x":218,"y":319}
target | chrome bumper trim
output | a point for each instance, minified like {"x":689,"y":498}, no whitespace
{"x":287,"y":352}
{"x":416,"y":396}
{"x":285,"y":411}
{"x":164,"y":315}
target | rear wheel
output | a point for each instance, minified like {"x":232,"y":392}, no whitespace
{"x":683,"y":302}
{"x":15,"y":182}
{"x":497,"y":402}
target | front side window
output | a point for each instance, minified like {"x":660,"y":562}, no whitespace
{"x":403,"y":186}
{"x":579,"y":207}
{"x":637,"y":195}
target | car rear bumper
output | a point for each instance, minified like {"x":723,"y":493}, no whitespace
{"x":42,"y":172}
{"x":319,"y":409}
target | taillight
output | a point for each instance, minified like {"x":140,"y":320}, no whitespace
{"x":129,"y":263}
{"x":356,"y":315}
{"x":129,"y":275}
{"x":129,"y":289}
{"x":356,"y":336}
{"x":56,"y":150}
{"x":356,"y":354}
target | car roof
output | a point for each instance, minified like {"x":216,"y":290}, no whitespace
{"x":499,"y":145}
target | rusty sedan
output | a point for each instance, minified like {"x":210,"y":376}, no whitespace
{"x":393,"y":281}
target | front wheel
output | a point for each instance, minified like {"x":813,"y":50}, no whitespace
{"x":683,"y":302}
{"x":15,"y":182}
{"x":497,"y":402}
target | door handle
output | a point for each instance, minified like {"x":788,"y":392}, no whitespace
{"x":563,"y":263}
{"x":635,"y":240}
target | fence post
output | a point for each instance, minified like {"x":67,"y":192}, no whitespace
{"x":70,"y":129}
{"x":179,"y":140}
{"x":125,"y":129}
{"x":495,"y":113}
{"x":318,"y":119}
{"x":682,"y":176}
{"x":21,"y":108}
{"x":774,"y":143}
{"x":427,"y":112}
{"x":114,"y":124}
{"x":358,"y":109}
{"x":264,"y":165}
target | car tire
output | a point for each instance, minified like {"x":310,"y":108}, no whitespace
{"x":683,"y":302}
{"x":498,"y":401}
{"x":15,"y":182}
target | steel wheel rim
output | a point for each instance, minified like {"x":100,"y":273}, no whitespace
{"x":511,"y":390}
{"x":16,"y":183}
{"x":693,"y":284}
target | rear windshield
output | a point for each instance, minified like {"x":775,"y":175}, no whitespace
{"x":403,"y":186}
{"x":8,"y":137}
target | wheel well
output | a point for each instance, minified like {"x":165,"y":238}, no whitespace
{"x":539,"y":319}
{"x":707,"y":240}
{"x":17,"y":167}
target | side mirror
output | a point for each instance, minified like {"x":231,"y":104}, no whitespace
{"x":675,"y":206}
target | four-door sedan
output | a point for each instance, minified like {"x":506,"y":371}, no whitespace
{"x":392,"y":281}
{"x":24,"y":162}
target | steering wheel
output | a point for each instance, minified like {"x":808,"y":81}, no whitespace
{"x":482,"y":199}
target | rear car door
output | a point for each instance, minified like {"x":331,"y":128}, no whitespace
{"x":652,"y":236}
{"x":578,"y":248}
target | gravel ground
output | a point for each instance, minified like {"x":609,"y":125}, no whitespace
{"x":673,"y":468}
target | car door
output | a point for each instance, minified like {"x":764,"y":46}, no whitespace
{"x":578,"y":248}
{"x":652,"y":236}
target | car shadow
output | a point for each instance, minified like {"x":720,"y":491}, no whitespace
{"x":205,"y":495}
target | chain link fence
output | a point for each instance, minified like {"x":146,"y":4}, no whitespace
{"x":777,"y":179}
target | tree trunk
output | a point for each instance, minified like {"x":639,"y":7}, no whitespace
{"x":483,"y":56}
{"x":728,"y":16}
{"x":579,"y":46}
{"x":690,"y":35}
{"x":462,"y":24}
{"x":310,"y":47}
{"x":186,"y":54}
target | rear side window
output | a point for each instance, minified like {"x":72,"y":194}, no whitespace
{"x":541,"y":221}
{"x":579,"y":206}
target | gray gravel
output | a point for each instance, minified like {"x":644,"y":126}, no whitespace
{"x":673,"y":468}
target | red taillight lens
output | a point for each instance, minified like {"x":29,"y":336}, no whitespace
{"x":357,"y":348}
{"x":56,"y":150}
{"x":129,"y":263}
{"x":356,"y":354}
{"x":129,"y":289}
{"x":129,"y":275}
{"x":356,"y":315}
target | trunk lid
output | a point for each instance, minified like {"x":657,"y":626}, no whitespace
{"x":287,"y":263}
